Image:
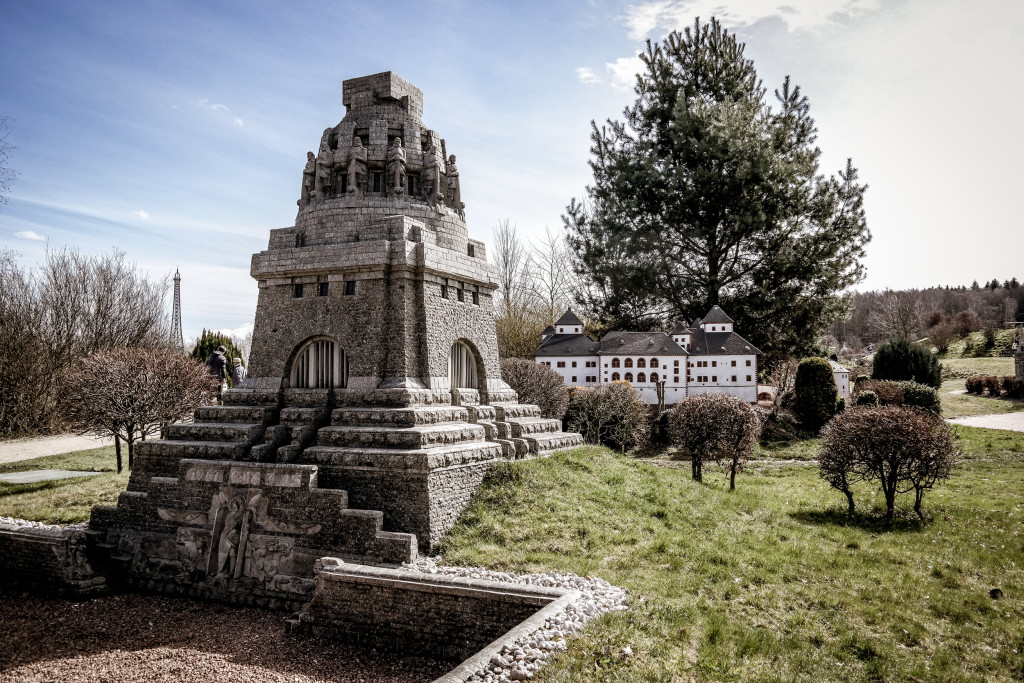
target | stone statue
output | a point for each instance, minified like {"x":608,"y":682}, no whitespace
{"x":308,"y":181}
{"x":356,"y":166}
{"x":396,"y":166}
{"x":324,"y":164}
{"x":431,"y":177}
{"x":454,"y":194}
{"x":230,"y":535}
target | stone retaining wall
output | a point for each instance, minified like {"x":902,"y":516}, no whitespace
{"x":47,"y":560}
{"x":444,"y":617}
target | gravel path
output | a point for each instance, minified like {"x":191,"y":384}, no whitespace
{"x":26,"y":449}
{"x":137,"y":637}
{"x":1013,"y":422}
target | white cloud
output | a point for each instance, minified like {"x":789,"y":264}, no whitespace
{"x":622,"y":72}
{"x":213,"y":105}
{"x":645,"y":18}
{"x":141,"y":215}
{"x":30,"y":235}
{"x":239,"y":122}
{"x":586,"y":76}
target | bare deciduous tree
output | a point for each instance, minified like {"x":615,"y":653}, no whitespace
{"x":132,"y":393}
{"x":537,"y":384}
{"x":897,"y":315}
{"x":714,"y":427}
{"x":72,"y":306}
{"x":903,"y":449}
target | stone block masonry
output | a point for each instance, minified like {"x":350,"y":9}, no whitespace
{"x":406,"y":611}
{"x":374,"y":406}
{"x":49,"y":560}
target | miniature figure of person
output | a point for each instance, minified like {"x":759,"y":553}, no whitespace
{"x":324,"y":164}
{"x":396,"y":166}
{"x":217,"y":366}
{"x":308,"y":181}
{"x":239,"y":373}
{"x":454,"y":197}
{"x":356,"y":166}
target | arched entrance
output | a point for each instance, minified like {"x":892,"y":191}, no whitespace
{"x":319,"y":364}
{"x":462,"y":366}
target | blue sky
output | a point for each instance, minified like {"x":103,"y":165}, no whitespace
{"x":177,"y":131}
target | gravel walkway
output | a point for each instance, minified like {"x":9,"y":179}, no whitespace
{"x":26,"y":449}
{"x":1013,"y":422}
{"x":146,"y":638}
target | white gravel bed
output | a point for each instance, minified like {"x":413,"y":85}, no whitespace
{"x":40,"y":525}
{"x":519,"y":661}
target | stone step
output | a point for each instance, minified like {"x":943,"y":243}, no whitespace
{"x":250,"y":414}
{"x":171,"y":449}
{"x":542,"y":444}
{"x":515,"y":411}
{"x":399,"y":417}
{"x":216,"y":431}
{"x":242,"y":397}
{"x":529,"y":426}
{"x":409,"y":437}
{"x":416,"y":459}
{"x":300,"y":416}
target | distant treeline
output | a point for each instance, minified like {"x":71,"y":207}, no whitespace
{"x":940,"y":313}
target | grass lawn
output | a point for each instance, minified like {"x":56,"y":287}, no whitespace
{"x":964,"y":367}
{"x":64,"y":501}
{"x":770,"y":582}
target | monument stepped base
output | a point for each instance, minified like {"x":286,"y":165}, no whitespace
{"x":239,"y":504}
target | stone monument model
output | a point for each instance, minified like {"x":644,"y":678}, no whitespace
{"x":374,"y":405}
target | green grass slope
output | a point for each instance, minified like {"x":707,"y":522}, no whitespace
{"x":770,"y":582}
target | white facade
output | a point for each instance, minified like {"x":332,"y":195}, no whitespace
{"x":674,"y":359}
{"x":842,"y":377}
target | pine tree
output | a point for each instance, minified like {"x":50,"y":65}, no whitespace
{"x":208,"y":343}
{"x":707,"y":195}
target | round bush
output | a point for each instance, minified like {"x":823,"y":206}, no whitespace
{"x":537,"y":384}
{"x":900,"y":360}
{"x":816,"y":393}
{"x":867,"y":398}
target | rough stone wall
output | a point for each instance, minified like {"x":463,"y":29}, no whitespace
{"x":441,"y":616}
{"x":47,"y":560}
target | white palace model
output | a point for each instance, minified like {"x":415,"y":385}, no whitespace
{"x":705,"y":357}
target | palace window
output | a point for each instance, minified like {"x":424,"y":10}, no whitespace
{"x":641,"y":363}
{"x":629,"y":376}
{"x":641,"y":377}
{"x":561,"y":363}
{"x":615,"y":377}
{"x":574,"y":363}
{"x":628,"y":363}
{"x":654,"y":363}
{"x":654,"y":377}
{"x":615,"y":362}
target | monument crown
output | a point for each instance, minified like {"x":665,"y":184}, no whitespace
{"x":383,"y":88}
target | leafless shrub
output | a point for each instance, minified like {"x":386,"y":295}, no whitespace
{"x":714,"y":427}
{"x":611,"y":413}
{"x":783,"y":378}
{"x":902,"y":449}
{"x":537,"y":384}
{"x":72,"y":306}
{"x":133,"y":393}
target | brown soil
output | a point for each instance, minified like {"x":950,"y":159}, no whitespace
{"x":137,"y":637}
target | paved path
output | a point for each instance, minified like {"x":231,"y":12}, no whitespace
{"x":1013,"y":422}
{"x":34,"y":476}
{"x":26,"y":449}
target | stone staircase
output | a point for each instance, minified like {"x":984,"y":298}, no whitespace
{"x":293,"y":479}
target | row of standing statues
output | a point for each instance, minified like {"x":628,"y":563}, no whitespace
{"x":324,"y":170}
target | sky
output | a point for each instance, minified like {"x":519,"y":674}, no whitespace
{"x":177,"y":131}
